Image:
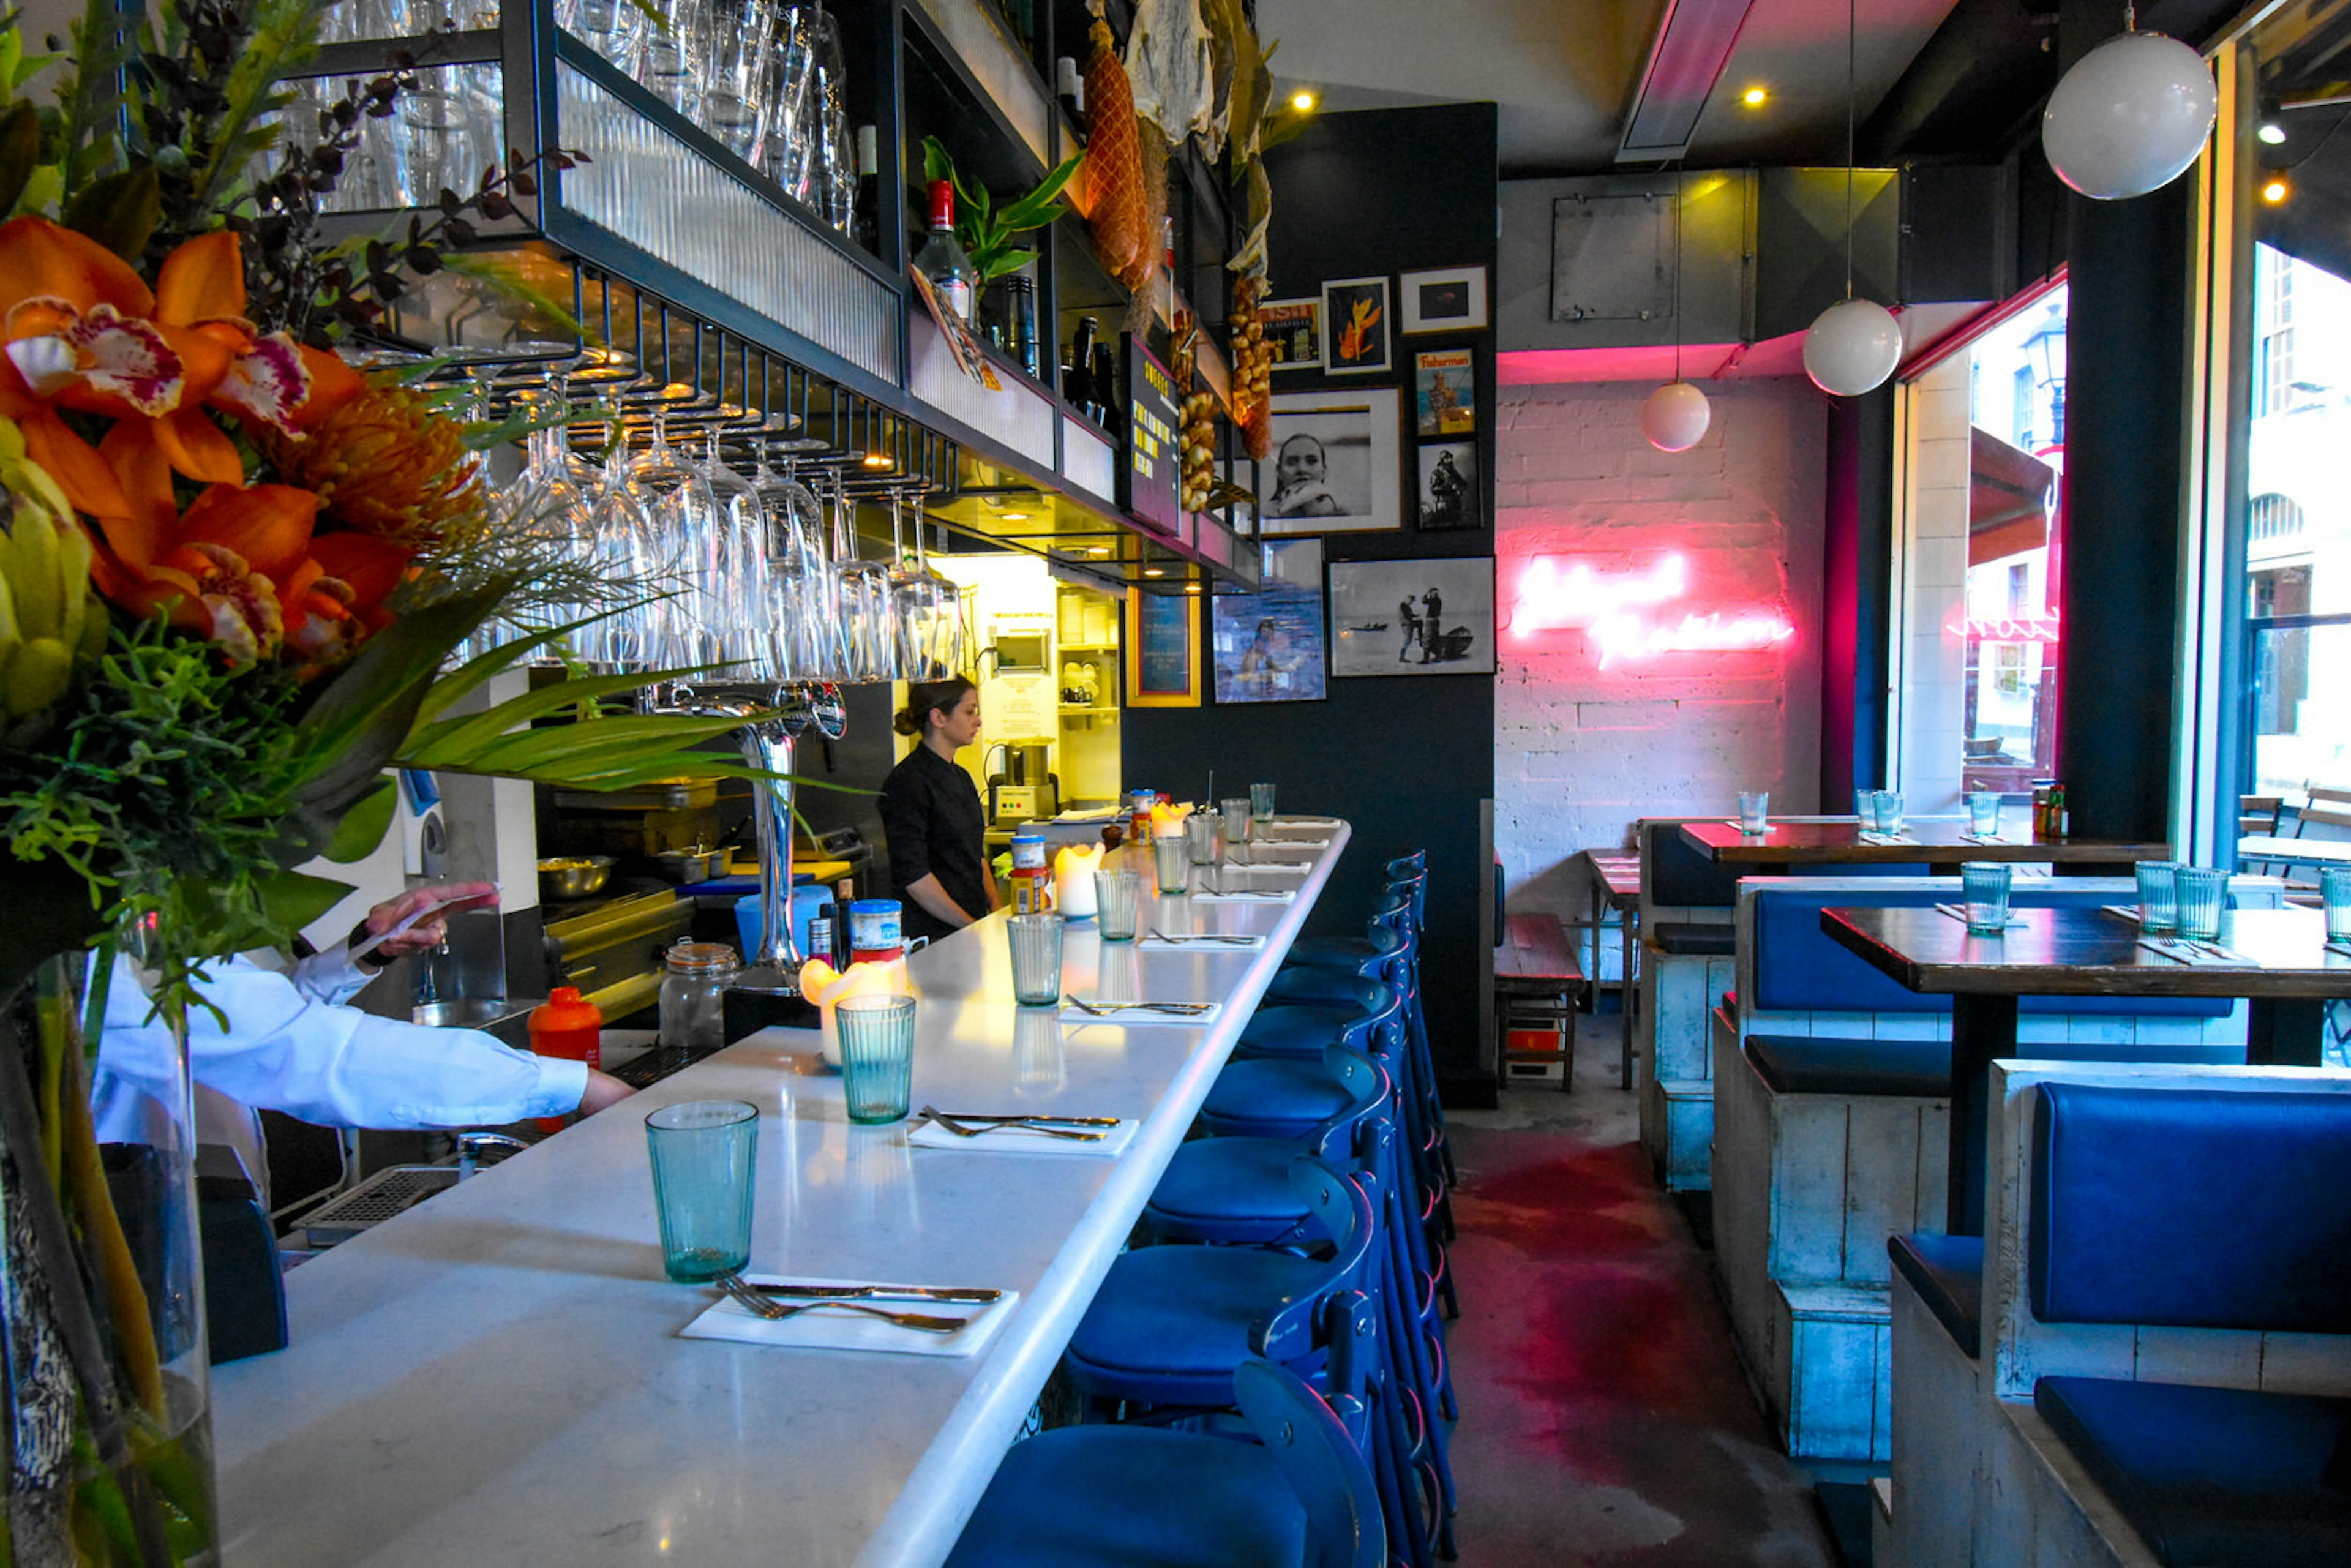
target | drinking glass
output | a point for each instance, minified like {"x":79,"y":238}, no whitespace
{"x":1865,"y":809}
{"x":1116,"y":892}
{"x":784,"y":127}
{"x":1984,"y":813}
{"x":1200,"y":832}
{"x":2203,"y":894}
{"x":1035,"y":944}
{"x":1889,"y":811}
{"x":2335,"y":893}
{"x":742,"y":51}
{"x":1261,"y":806}
{"x":2159,"y":896}
{"x":673,"y":51}
{"x":1754,"y":811}
{"x":680,"y":512}
{"x":1173,"y":857}
{"x":877,"y":1056}
{"x":1237,"y":820}
{"x":1985,"y":885}
{"x":703,"y":1153}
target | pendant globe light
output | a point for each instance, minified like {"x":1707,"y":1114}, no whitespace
{"x":2131,"y":116}
{"x":1675,"y":415}
{"x":1853,"y":345}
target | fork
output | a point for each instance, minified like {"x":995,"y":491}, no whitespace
{"x":940,"y":1119}
{"x":761,"y":1306}
{"x":1182,"y":1010}
{"x":1205,"y":936}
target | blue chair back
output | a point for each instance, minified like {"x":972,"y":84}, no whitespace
{"x":1321,"y":1453}
{"x":2190,"y":1208}
{"x":1338,"y":1205}
{"x":1361,"y":1077}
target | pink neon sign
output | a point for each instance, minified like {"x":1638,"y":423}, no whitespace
{"x":2005,"y":629}
{"x":1621,"y":613}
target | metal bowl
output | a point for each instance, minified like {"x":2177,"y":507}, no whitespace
{"x":687,"y":866}
{"x":573,"y":877}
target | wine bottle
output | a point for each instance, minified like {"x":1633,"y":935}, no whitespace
{"x":1071,"y":89}
{"x":1106,"y":396}
{"x":1077,"y":381}
{"x":944,"y":260}
{"x":867,"y":229}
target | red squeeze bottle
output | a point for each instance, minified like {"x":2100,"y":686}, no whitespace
{"x":569,"y":1026}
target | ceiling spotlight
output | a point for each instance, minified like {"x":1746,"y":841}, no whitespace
{"x":1154,"y":571}
{"x":1191,"y":587}
{"x":877,"y":460}
{"x":1302,"y":101}
{"x":1016,"y":517}
{"x":2272,"y":133}
{"x":2275,"y":191}
{"x":1098,"y":552}
{"x":1755,"y":97}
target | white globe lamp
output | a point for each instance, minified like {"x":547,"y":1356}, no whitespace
{"x":1675,"y":416}
{"x":2130,"y":116}
{"x":1852,"y":347}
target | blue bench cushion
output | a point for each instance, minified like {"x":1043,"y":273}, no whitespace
{"x":1170,"y":1324}
{"x":2193,"y":1208}
{"x":1947,"y":1273}
{"x":1685,"y":939}
{"x":1810,"y":1065}
{"x":1799,"y":968}
{"x":2226,"y":1476}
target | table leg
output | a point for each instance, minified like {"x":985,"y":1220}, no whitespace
{"x":1626,"y":989}
{"x":1982,"y":1029}
{"x":2286,"y":1031}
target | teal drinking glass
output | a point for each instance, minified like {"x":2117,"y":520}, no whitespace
{"x":1754,"y":811}
{"x":1116,"y":895}
{"x":1888,"y":806}
{"x":1035,"y":944}
{"x":2159,"y":896}
{"x":2203,"y":894}
{"x":1172,"y":859}
{"x":1984,"y":886}
{"x":1235,"y":812}
{"x":877,"y":1056}
{"x":1261,"y":805}
{"x":2334,"y":892}
{"x":1984,"y":813}
{"x":703,"y":1153}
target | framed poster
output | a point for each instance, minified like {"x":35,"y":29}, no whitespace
{"x":1451,"y":299}
{"x":1450,"y":494}
{"x":1412,"y":617}
{"x":1355,"y":327}
{"x":1336,"y":463}
{"x":1445,"y":392}
{"x":1267,"y":646}
{"x":1163,"y":650}
{"x":1294,"y":327}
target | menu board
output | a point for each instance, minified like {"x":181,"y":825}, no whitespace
{"x":1154,"y":442}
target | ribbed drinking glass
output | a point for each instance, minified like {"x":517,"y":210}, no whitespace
{"x":1035,"y":944}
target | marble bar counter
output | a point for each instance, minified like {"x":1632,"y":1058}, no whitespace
{"x":497,"y":1375}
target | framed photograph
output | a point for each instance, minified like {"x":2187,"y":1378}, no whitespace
{"x":1412,"y":617}
{"x":1163,"y":650}
{"x":1445,"y":392}
{"x":1294,"y":327}
{"x":1355,"y":327}
{"x":1267,"y":646}
{"x":1336,"y":463}
{"x":1451,"y":299}
{"x":1449,"y":493}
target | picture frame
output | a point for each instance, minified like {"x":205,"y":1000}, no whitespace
{"x":1295,"y":328}
{"x":1445,"y":392}
{"x":1355,"y":327}
{"x":1443,"y":299}
{"x":1267,"y":646}
{"x":1163,"y":650}
{"x":1345,"y":467}
{"x":1381,"y":611}
{"x":1449,"y":497}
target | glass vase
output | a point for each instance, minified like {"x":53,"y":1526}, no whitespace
{"x":107,"y":1372}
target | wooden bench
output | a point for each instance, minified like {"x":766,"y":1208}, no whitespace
{"x":1537,"y":984}
{"x":1615,"y":883}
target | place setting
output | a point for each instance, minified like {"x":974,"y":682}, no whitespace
{"x":1157,"y":941}
{"x":1103,"y":1137}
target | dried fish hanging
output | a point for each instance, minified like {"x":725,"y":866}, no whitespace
{"x":1112,"y":170}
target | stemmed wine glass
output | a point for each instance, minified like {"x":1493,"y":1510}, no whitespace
{"x":733,"y":595}
{"x":805,"y":619}
{"x":680,"y":512}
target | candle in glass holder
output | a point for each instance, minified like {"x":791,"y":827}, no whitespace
{"x":1073,"y":880}
{"x":822,"y":983}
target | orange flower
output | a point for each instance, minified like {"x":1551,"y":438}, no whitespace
{"x":384,"y":465}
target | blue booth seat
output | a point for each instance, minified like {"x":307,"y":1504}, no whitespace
{"x":1947,"y":1273}
{"x":1824,"y":1064}
{"x":2214,"y":1478}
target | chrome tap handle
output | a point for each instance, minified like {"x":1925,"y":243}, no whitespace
{"x":769,"y":746}
{"x":471,"y":1144}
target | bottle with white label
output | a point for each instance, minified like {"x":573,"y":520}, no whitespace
{"x":944,"y":260}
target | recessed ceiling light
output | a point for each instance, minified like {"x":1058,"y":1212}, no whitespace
{"x":1016,"y":517}
{"x":1154,"y":571}
{"x":1302,"y":101}
{"x":1755,"y":97}
{"x":1191,"y":587}
{"x":2274,"y":191}
{"x":1098,"y":552}
{"x":2272,"y":133}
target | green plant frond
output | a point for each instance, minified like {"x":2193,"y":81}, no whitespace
{"x":456,"y":737}
{"x":1041,"y":207}
{"x":285,"y":37}
{"x":506,"y":280}
{"x":362,"y":827}
{"x":478,"y":671}
{"x":620,"y":735}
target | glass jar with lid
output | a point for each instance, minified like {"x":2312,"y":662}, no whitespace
{"x":693,"y":993}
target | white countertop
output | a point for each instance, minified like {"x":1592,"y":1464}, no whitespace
{"x":496,"y":1377}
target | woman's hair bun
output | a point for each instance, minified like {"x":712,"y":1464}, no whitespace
{"x":907,"y":721}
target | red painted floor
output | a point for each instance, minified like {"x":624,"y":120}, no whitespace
{"x":1604,"y":1417}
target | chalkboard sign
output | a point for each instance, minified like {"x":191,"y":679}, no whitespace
{"x":1147,"y":485}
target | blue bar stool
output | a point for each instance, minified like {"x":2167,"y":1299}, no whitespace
{"x":1237,"y":1191}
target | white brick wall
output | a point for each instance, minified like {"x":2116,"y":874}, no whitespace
{"x":1932,"y":682}
{"x":1579,"y":750}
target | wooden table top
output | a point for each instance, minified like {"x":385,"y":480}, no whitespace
{"x":2087,"y":952}
{"x":2295,"y":851}
{"x":1619,"y":873}
{"x":1935,"y":840}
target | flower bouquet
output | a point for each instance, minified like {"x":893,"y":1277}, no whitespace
{"x":234,"y":570}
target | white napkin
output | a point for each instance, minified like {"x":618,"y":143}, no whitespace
{"x":1289,"y":843}
{"x":1986,"y":839}
{"x":727,"y":1319}
{"x":1268,"y":865}
{"x":1304,"y":821}
{"x":2195,"y":950}
{"x":1006,"y":1140}
{"x":2121,"y":911}
{"x":1248,"y":895}
{"x":1127,"y":1014}
{"x":1893,"y":837}
{"x":1237,"y":943}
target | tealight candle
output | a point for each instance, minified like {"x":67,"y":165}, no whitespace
{"x":1073,"y":880}
{"x":822,"y":983}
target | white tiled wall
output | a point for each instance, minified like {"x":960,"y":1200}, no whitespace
{"x":1933,"y":568}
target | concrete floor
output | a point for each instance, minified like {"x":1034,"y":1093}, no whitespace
{"x":1604,"y":1417}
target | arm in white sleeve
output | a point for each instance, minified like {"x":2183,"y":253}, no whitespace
{"x":331,"y":1065}
{"x":331,"y":976}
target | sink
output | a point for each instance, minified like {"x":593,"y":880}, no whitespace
{"x":506,"y":1017}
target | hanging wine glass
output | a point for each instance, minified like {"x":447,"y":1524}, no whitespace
{"x":615,"y":524}
{"x":803,"y":624}
{"x":733,"y":602}
{"x":681,"y":518}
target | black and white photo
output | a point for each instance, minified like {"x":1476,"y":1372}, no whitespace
{"x":1412,"y":617}
{"x":1449,"y":486}
{"x":1337,"y":462}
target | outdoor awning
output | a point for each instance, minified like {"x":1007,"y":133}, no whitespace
{"x":2009,"y":492}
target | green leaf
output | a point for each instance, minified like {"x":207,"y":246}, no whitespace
{"x":457,"y":738}
{"x":1005,"y":261}
{"x":1039,"y":207}
{"x":363,"y":826}
{"x":293,"y":899}
{"x":20,"y":149}
{"x":482,"y":668}
{"x":119,"y":209}
{"x":937,"y":164}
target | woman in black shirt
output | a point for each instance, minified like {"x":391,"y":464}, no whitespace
{"x":931,"y":811}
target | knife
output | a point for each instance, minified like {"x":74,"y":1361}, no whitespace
{"x":1054,"y":1120}
{"x":877,"y":1292}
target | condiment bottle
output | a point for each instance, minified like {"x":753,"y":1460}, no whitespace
{"x":1032,"y":879}
{"x":692,"y":994}
{"x":569,"y":1026}
{"x":876,"y":931}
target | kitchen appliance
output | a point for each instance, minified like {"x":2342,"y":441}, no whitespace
{"x":1026,"y":790}
{"x":612,"y":948}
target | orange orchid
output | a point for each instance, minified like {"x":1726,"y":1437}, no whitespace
{"x":83,"y":331}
